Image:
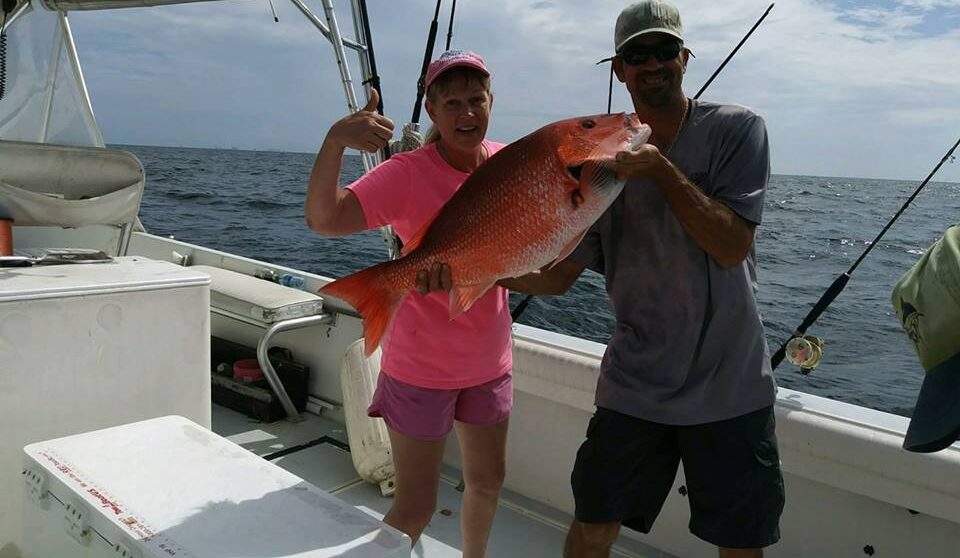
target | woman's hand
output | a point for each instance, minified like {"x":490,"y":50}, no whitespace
{"x":437,"y":278}
{"x":365,"y":130}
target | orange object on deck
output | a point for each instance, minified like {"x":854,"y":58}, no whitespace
{"x":6,"y":237}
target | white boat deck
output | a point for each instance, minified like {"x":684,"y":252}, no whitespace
{"x":522,"y":527}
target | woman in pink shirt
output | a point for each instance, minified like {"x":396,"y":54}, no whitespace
{"x":437,"y":373}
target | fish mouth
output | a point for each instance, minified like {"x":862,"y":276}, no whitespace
{"x":575,"y":171}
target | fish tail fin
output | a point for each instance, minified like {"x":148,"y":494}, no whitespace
{"x":371,"y":294}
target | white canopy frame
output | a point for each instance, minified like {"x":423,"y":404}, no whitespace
{"x":37,"y":128}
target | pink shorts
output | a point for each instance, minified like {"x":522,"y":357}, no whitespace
{"x":429,"y":413}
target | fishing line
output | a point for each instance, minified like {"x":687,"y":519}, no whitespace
{"x":840,"y":282}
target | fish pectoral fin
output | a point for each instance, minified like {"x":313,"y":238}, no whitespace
{"x":569,"y":248}
{"x":463,"y":297}
{"x":599,"y":176}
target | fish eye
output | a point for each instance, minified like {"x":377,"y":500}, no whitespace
{"x":588,"y":124}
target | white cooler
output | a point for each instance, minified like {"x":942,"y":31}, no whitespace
{"x":87,"y":346}
{"x":167,"y":487}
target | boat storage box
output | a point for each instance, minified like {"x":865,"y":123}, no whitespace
{"x":94,"y":345}
{"x":167,"y":487}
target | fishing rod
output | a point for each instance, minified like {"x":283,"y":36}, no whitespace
{"x":526,"y":301}
{"x":411,"y":138}
{"x":427,"y":55}
{"x":453,"y":11}
{"x":807,"y":350}
{"x":735,"y":49}
{"x":6,"y":7}
{"x":610,"y":89}
{"x":374,"y":79}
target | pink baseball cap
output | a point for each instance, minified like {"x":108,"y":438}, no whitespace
{"x":453,"y":59}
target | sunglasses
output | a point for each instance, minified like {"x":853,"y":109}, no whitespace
{"x":638,"y":55}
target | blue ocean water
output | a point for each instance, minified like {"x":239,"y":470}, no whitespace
{"x":251,"y":203}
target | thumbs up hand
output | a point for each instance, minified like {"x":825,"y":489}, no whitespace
{"x":366,"y":129}
{"x":373,"y":102}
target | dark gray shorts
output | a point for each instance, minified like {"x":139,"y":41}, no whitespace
{"x":626,"y":467}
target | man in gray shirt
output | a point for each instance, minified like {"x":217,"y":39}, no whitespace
{"x":686,"y":376}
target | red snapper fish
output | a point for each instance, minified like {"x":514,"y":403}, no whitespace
{"x":526,"y":207}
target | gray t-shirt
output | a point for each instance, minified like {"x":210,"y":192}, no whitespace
{"x":688,"y":346}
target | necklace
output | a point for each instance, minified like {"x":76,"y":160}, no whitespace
{"x":683,"y":120}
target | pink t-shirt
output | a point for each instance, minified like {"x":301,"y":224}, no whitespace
{"x":423,"y":346}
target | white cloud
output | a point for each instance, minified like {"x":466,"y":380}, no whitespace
{"x":930,"y":4}
{"x":864,"y":89}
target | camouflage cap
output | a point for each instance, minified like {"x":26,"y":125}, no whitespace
{"x":647,"y":16}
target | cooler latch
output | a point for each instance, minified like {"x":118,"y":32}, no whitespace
{"x":122,"y":551}
{"x":76,"y":522}
{"x":36,"y":482}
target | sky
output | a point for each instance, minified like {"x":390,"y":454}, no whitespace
{"x":865,"y":89}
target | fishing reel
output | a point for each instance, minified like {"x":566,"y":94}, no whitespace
{"x":805,"y":352}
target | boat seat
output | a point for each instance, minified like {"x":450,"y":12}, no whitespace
{"x":86,"y":197}
{"x":268,"y":305}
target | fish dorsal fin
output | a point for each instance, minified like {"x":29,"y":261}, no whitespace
{"x":463,"y":297}
{"x":569,"y":248}
{"x":417,"y":239}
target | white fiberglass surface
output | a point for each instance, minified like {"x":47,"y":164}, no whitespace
{"x":522,"y":528}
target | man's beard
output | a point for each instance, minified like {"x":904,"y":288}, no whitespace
{"x":657,"y":99}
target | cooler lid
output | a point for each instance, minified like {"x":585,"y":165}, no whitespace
{"x":123,"y":274}
{"x":178,"y":488}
